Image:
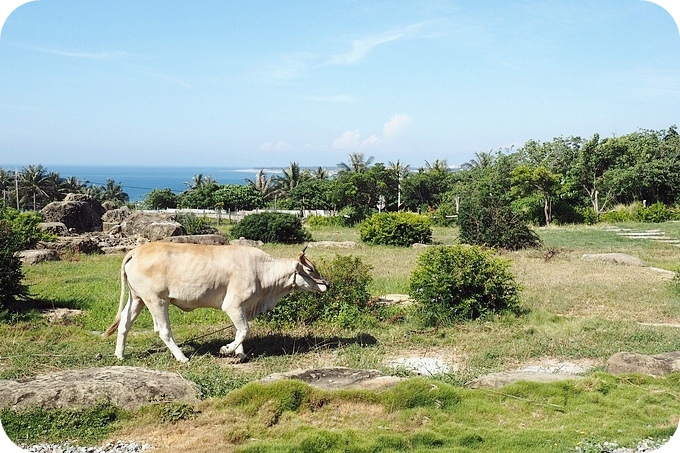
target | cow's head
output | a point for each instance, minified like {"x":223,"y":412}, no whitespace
{"x":307,"y":278}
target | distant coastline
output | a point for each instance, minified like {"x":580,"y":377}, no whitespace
{"x":138,"y":181}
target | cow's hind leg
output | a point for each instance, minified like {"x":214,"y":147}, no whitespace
{"x":130,"y":312}
{"x":161,"y":322}
{"x":238,"y":318}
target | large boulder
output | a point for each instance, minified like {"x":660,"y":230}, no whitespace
{"x":114,"y":217}
{"x":29,"y":257}
{"x":80,"y":213}
{"x":125,"y":386}
{"x":653,"y":365}
{"x":56,"y":228}
{"x":151,"y":225}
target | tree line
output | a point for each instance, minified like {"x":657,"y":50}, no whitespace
{"x":567,"y":180}
{"x":33,"y":187}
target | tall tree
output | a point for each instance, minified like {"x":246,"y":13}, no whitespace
{"x":264,"y":184}
{"x":357,"y":163}
{"x":527,"y":179}
{"x":34,"y":184}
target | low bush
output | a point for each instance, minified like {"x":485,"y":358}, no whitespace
{"x":452,"y":284}
{"x":316,"y":221}
{"x":194,"y":224}
{"x":396,"y":228}
{"x":11,"y":275}
{"x":343,"y":304}
{"x":271,"y":227}
{"x":488,"y":222}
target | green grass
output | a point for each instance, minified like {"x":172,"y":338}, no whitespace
{"x":573,"y":311}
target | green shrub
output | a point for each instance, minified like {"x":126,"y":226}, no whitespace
{"x":396,"y":228}
{"x":452,"y":284}
{"x":344,"y":304}
{"x":25,"y":225}
{"x":271,"y":227}
{"x":655,"y":213}
{"x":11,"y":274}
{"x":315,"y":221}
{"x":194,"y":224}
{"x":488,"y":222}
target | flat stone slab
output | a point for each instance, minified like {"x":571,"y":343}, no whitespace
{"x":546,"y":371}
{"x":425,"y":366}
{"x":339,"y":378}
{"x":125,"y":386}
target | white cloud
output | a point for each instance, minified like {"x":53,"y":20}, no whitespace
{"x":361,"y":47}
{"x":348,"y":140}
{"x":370,"y":141}
{"x":396,"y":125}
{"x":275,"y":147}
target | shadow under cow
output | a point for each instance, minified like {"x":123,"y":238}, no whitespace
{"x":279,"y":344}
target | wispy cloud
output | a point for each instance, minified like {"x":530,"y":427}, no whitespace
{"x":362,"y":47}
{"x":104,"y":55}
{"x":337,"y":98}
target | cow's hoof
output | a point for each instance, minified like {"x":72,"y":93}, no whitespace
{"x":242,"y":358}
{"x":226,"y":350}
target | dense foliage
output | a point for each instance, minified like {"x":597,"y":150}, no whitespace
{"x":565,"y":180}
{"x":271,"y":227}
{"x":488,"y":222}
{"x":18,"y":231}
{"x":451,"y":284}
{"x":342,"y":305}
{"x":396,"y":228}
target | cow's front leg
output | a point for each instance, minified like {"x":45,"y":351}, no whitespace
{"x":238,"y":318}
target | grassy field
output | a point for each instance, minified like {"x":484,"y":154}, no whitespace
{"x":574,"y":310}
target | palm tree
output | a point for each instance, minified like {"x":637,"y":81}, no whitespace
{"x":7,"y":183}
{"x":292,"y":176}
{"x":481,"y":160}
{"x":34,"y":181}
{"x":198,"y":181}
{"x":401,"y":171}
{"x":357,"y":164}
{"x":264,"y":184}
{"x":437,"y":166}
{"x":113,"y":191}
{"x":72,"y":185}
{"x":320,"y":173}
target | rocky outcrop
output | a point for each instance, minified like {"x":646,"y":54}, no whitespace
{"x":56,"y":228}
{"x":151,"y":225}
{"x":654,"y":365}
{"x":125,"y":386}
{"x":80,"y":213}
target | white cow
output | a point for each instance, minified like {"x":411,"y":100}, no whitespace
{"x":241,"y":281}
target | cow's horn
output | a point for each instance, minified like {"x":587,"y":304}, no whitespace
{"x":305,"y":248}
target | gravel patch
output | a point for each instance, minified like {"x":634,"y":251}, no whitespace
{"x":112,"y":447}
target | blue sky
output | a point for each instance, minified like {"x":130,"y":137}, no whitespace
{"x":262,"y":83}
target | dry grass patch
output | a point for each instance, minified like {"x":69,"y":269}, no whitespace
{"x":568,"y":286}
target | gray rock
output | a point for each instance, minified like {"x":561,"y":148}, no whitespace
{"x":116,"y":215}
{"x":614,"y":258}
{"x":339,"y":378}
{"x":29,"y":257}
{"x":125,"y":386}
{"x":655,"y":365}
{"x":496,"y":380}
{"x":160,"y":230}
{"x":57,"y":228}
{"x":79,"y":213}
{"x":138,"y":221}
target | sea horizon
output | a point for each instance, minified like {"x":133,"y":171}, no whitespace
{"x":137,"y":181}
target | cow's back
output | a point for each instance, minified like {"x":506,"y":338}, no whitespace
{"x":189,"y":272}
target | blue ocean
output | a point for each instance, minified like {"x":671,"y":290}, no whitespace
{"x":137,"y":182}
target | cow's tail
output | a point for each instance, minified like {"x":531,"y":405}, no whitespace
{"x":123,"y":282}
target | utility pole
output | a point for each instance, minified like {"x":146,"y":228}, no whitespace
{"x":16,"y":185}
